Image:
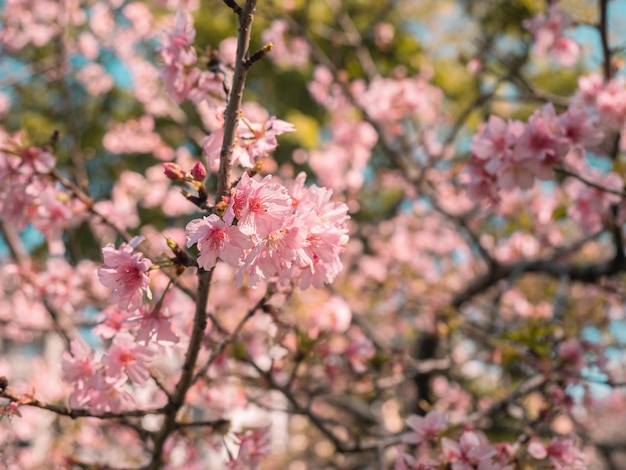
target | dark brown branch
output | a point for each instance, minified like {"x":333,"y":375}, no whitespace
{"x":233,"y":108}
{"x":589,"y":273}
{"x":76,"y":413}
{"x":177,"y":399}
{"x":603,"y":28}
{"x":232,"y":4}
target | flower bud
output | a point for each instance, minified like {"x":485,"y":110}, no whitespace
{"x":198,"y":172}
{"x":173,"y":171}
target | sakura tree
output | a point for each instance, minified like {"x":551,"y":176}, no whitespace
{"x":311,"y":234}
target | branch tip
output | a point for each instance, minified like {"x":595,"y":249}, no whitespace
{"x":258,"y":55}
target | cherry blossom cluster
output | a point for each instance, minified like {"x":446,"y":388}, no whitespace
{"x":28,"y":194}
{"x":547,"y":29}
{"x":136,"y":136}
{"x":391,"y":101}
{"x":292,"y":52}
{"x":181,"y":76}
{"x":605,"y":99}
{"x":512,"y":154}
{"x":253,"y":446}
{"x":266,"y":231}
{"x":472,"y":450}
{"x":99,"y":385}
{"x":405,"y":108}
{"x":124,"y":272}
{"x":29,"y":21}
{"x":23,"y":170}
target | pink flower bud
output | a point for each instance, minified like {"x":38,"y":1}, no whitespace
{"x":198,"y":172}
{"x":173,"y":171}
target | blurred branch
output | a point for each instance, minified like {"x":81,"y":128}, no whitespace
{"x":564,"y":171}
{"x":20,"y":255}
{"x":89,"y":203}
{"x":11,"y":237}
{"x":534,"y":383}
{"x":354,"y":39}
{"x":76,"y":413}
{"x":603,"y":29}
{"x":588,"y":273}
{"x":228,"y":341}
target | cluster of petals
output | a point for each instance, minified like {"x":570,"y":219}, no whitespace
{"x":125,"y":271}
{"x":136,"y":136}
{"x":92,"y":388}
{"x":400,"y":106}
{"x":286,"y":52}
{"x":471,"y":451}
{"x":547,"y":30}
{"x":99,"y":385}
{"x":561,"y":453}
{"x":389,"y":101}
{"x":28,"y":195}
{"x":127,"y":358}
{"x":509,"y":155}
{"x":425,"y":428}
{"x":253,"y":446}
{"x":181,"y":77}
{"x":593,"y":202}
{"x":253,"y":141}
{"x":606,"y":99}
{"x":33,"y":22}
{"x":266,"y":232}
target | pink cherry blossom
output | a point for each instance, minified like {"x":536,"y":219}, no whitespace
{"x":155,"y":325}
{"x":112,"y":321}
{"x":178,"y":41}
{"x":543,"y":143}
{"x":126,"y":273}
{"x":562,"y":453}
{"x":217,"y":239}
{"x":590,"y":203}
{"x":127,"y":357}
{"x":548,"y":32}
{"x":472,"y":449}
{"x":425,"y":428}
{"x":496,"y":139}
{"x":79,"y":365}
{"x":581,"y":127}
{"x":482,"y":186}
{"x":102,"y":395}
{"x":259,"y":207}
{"x":286,"y":52}
{"x":274,"y":254}
{"x":253,"y":445}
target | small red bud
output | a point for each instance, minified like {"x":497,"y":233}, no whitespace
{"x":173,"y":171}
{"x":198,"y":172}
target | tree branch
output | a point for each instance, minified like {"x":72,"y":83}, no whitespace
{"x":231,"y":120}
